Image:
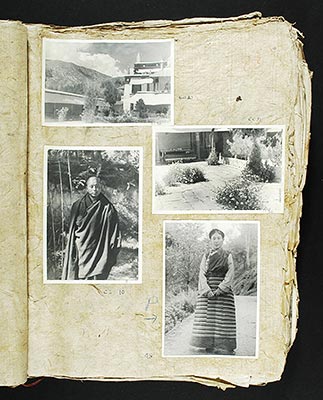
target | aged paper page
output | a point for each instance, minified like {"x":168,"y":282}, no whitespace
{"x":13,"y":230}
{"x":110,"y":331}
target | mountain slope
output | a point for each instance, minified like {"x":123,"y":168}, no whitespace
{"x":70,"y":77}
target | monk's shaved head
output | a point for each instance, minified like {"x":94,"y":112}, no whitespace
{"x":93,"y":186}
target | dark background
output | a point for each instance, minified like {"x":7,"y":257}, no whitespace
{"x":302,"y":378}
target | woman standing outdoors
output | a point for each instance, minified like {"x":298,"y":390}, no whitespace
{"x":214,"y":325}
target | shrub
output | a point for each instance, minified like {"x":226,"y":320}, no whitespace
{"x":246,"y":283}
{"x":123,"y":118}
{"x":266,"y":173}
{"x":62,"y":113}
{"x":255,"y":163}
{"x":187,"y":174}
{"x":88,"y":116}
{"x":105,"y":111}
{"x":213,"y":158}
{"x":256,"y":170}
{"x":141,"y":108}
{"x":110,"y":93}
{"x":179,"y":307}
{"x":248,"y":175}
{"x":174,"y":175}
{"x":54,"y":264}
{"x":159,"y":189}
{"x":238,"y":194}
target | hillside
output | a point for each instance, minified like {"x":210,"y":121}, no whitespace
{"x":70,"y":77}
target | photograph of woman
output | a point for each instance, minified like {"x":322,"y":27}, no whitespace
{"x":214,"y":325}
{"x":211,"y":288}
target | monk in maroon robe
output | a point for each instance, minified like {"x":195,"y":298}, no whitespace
{"x":94,"y":237}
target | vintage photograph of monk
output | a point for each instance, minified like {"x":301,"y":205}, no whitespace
{"x":218,"y":169}
{"x":105,"y":82}
{"x":211,"y":288}
{"x":92,"y":214}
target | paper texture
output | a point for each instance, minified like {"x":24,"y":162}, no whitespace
{"x":107,"y":331}
{"x":13,"y":229}
{"x":79,"y":331}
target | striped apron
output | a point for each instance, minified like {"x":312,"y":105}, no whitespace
{"x":215,"y":320}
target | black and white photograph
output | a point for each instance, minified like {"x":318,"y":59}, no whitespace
{"x":92,"y":214}
{"x":102,"y":82}
{"x":218,"y":169}
{"x":211,"y":288}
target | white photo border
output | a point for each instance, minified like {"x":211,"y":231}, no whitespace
{"x":174,"y":128}
{"x":140,"y":215}
{"x":82,"y":124}
{"x":258,"y":224}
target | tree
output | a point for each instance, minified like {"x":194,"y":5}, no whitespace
{"x":271,"y":147}
{"x":110,"y":93}
{"x":90,"y":105}
{"x":120,"y":81}
{"x":244,"y":249}
{"x":184,"y":252}
{"x":212,"y":137}
{"x":241,"y":144}
{"x":213,"y":158}
{"x":141,"y":108}
{"x":255,"y":163}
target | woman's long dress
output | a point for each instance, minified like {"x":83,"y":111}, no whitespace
{"x":215,"y":318}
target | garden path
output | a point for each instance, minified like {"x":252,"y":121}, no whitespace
{"x":197,"y":196}
{"x":177,"y":340}
{"x":200,"y":196}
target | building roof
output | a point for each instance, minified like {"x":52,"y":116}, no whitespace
{"x":140,"y":80}
{"x":58,"y":96}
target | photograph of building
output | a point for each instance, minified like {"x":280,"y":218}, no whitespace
{"x":107,"y":82}
{"x":149,"y":83}
{"x":207,"y":169}
{"x":60,"y":105}
{"x":191,"y":145}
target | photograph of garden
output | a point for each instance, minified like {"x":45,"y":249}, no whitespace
{"x":115,"y":175}
{"x":186,"y":243}
{"x":204,"y":169}
{"x":107,"y":82}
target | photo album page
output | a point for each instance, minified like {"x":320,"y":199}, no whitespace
{"x":159,"y":216}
